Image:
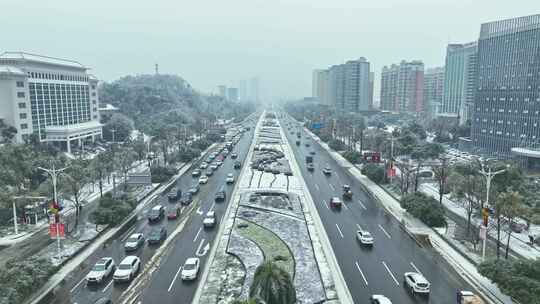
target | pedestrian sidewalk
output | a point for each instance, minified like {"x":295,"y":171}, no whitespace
{"x":414,"y":226}
{"x":518,"y":241}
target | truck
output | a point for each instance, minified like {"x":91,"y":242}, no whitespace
{"x":309,"y":159}
{"x":468,"y":297}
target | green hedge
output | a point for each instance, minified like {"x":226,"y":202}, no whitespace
{"x":353,"y":156}
{"x":161,"y":174}
{"x":425,"y":208}
{"x":374,"y":172}
{"x":112,"y":211}
{"x":21,"y":277}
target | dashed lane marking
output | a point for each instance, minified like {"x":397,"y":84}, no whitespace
{"x":362,"y":205}
{"x":416,"y":268}
{"x":361,"y":273}
{"x":78,"y":284}
{"x":390,"y":273}
{"x":333,"y":188}
{"x":174,"y":279}
{"x":317,"y":187}
{"x":339,"y":230}
{"x":197,"y":235}
{"x":107,"y":287}
{"x":326,"y":205}
{"x":387,"y":234}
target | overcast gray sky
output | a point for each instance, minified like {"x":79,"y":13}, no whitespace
{"x":220,"y":42}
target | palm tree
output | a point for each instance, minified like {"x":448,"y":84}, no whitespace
{"x":273,"y":285}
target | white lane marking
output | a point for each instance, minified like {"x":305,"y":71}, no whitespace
{"x":345,"y":206}
{"x":197,"y":235}
{"x":326,"y":205}
{"x":317,"y":186}
{"x":333,"y":188}
{"x":128,"y":234}
{"x":362,"y":205}
{"x":359,"y":227}
{"x":416,"y":268}
{"x":174,"y":279}
{"x":360,"y":270}
{"x":212,"y":207}
{"x":108,"y":285}
{"x":390,"y":272}
{"x":199,"y":211}
{"x":182,"y":209}
{"x":339,"y":230}
{"x":75,"y":287}
{"x":388,"y":235}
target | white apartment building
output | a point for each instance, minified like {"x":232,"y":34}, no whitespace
{"x":56,"y":99}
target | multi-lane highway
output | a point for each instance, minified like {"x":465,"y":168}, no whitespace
{"x":377,"y":270}
{"x":165,"y":284}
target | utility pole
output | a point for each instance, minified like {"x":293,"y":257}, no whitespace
{"x":54,"y":176}
{"x":489,"y":175}
{"x":391,"y":156}
{"x":113,"y":131}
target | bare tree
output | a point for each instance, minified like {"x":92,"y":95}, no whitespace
{"x":509,"y":205}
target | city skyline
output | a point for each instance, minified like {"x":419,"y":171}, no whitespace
{"x":181,"y":42}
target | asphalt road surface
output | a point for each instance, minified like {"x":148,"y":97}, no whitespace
{"x":165,"y":286}
{"x":377,"y":270}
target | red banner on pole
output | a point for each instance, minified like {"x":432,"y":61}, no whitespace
{"x":57,"y":230}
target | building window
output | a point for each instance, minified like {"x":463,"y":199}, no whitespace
{"x":24,"y":126}
{"x":22,"y":115}
{"x":20,"y":94}
{"x":22,"y":105}
{"x":20,"y":84}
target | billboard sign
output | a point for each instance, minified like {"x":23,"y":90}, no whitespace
{"x":317,"y":125}
{"x":57,"y":231}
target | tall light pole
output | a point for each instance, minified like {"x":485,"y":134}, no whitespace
{"x":113,"y":131}
{"x":54,"y":176}
{"x":489,"y":175}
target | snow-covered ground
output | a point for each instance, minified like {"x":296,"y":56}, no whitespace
{"x":284,"y":217}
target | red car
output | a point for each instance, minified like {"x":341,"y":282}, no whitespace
{"x":173,"y":213}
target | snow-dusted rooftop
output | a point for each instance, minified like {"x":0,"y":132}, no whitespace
{"x":28,"y":57}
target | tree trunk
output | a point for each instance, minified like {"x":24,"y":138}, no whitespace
{"x":498,"y":236}
{"x":417,"y":178}
{"x":508,"y":240}
{"x":469,"y":214}
{"x":100,"y":187}
{"x":361,"y":140}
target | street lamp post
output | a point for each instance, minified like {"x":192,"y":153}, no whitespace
{"x":489,"y":175}
{"x":54,"y":176}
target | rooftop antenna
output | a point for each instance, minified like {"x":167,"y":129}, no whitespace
{"x":157,"y":69}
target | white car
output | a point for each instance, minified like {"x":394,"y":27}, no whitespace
{"x":101,"y":270}
{"x":230,"y":178}
{"x":210,"y":219}
{"x":219,"y":163}
{"x":379,"y":299}
{"x":134,"y":242}
{"x":203,"y":179}
{"x":327,"y":170}
{"x":416,"y":282}
{"x":364,"y":237}
{"x":190,"y":269}
{"x":203,"y":165}
{"x":127,"y":269}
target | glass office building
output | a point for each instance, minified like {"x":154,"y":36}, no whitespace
{"x":506,"y":113}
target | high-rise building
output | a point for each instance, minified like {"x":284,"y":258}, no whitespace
{"x":371,"y":89}
{"x":336,"y":86}
{"x":232,"y":94}
{"x":459,"y":81}
{"x":402,"y":87}
{"x":506,"y":114}
{"x":56,"y":99}
{"x":320,"y":89}
{"x":356,"y":95}
{"x":433,"y":89}
{"x":222,"y":90}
